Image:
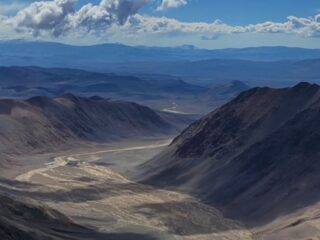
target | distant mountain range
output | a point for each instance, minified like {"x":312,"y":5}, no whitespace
{"x":257,"y":157}
{"x":31,"y":81}
{"x":21,"y":52}
{"x":157,"y":91}
{"x":268,"y":65}
{"x":271,"y":73}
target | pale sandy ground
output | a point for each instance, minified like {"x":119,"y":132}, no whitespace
{"x":26,"y":163}
{"x":92,"y":190}
{"x":301,"y":225}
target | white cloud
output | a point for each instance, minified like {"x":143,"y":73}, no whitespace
{"x":49,"y":16}
{"x":60,"y":18}
{"x":305,"y":27}
{"x":165,"y":4}
{"x":108,"y":12}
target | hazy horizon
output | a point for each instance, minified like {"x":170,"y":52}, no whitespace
{"x":185,"y":46}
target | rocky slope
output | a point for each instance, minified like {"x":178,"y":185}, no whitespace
{"x":20,"y":219}
{"x":43,"y":124}
{"x":29,"y":220}
{"x":257,"y":157}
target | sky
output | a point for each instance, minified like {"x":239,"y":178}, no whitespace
{"x":202,"y":23}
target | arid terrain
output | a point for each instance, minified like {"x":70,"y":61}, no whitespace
{"x":215,"y":180}
{"x":159,"y":120}
{"x":92,"y":189}
{"x":225,"y":176}
{"x":255,"y":158}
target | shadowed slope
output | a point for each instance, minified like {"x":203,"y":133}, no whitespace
{"x":43,"y":124}
{"x":27,"y":220}
{"x":256,"y":157}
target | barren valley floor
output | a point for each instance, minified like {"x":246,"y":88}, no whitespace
{"x":93,"y":190}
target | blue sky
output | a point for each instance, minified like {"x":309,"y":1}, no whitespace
{"x":242,"y":11}
{"x":235,"y":11}
{"x":242,"y":23}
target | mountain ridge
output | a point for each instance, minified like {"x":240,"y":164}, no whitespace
{"x":255,"y":157}
{"x":43,"y":124}
{"x":51,"y":53}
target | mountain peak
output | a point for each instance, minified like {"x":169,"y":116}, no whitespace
{"x":304,"y":85}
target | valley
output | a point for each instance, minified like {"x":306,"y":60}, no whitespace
{"x":119,"y":170}
{"x":94,"y":190}
{"x":117,"y":142}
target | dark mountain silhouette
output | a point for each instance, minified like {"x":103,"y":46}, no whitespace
{"x":256,"y":157}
